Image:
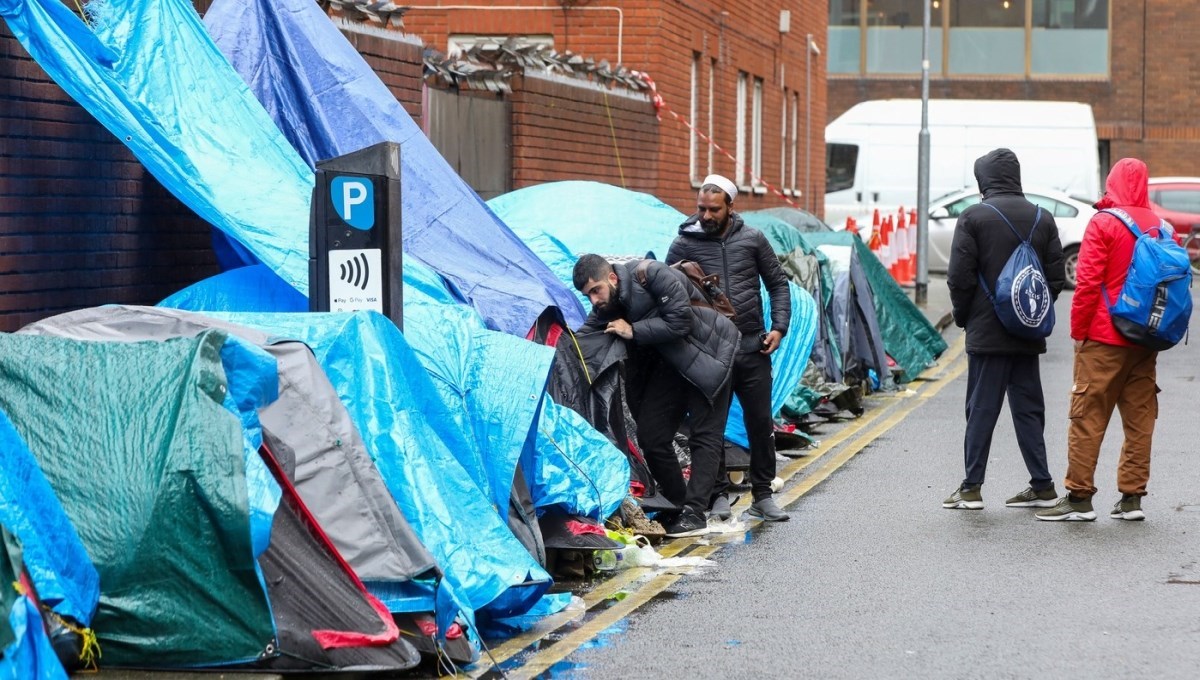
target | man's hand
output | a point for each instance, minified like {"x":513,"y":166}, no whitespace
{"x":771,"y":342}
{"x":621,"y":328}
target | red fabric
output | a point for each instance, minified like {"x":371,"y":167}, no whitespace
{"x":579,"y":528}
{"x":1106,"y":251}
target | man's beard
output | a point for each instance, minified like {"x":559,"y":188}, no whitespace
{"x":613,"y":309}
{"x":712,"y":227}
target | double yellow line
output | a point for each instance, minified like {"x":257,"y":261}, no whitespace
{"x":640,"y":584}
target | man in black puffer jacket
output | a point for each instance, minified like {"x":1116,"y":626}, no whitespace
{"x":722,"y":244}
{"x":997,"y":361}
{"x":682,"y":355}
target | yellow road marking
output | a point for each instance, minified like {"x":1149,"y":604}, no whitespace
{"x":951,"y":369}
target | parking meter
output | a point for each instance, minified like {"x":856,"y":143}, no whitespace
{"x":355,"y":255}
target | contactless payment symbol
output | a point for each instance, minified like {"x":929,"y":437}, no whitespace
{"x":354,"y":200}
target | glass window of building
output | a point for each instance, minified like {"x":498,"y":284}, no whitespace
{"x":893,"y":36}
{"x":845,"y":36}
{"x":841,"y":162}
{"x":987,"y":37}
{"x":1069,"y":37}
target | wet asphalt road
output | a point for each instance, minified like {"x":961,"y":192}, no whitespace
{"x":872,"y":578}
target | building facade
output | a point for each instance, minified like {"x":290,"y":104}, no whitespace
{"x":742,"y":87}
{"x":1133,"y":61}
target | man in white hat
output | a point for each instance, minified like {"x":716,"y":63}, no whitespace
{"x":722,"y":244}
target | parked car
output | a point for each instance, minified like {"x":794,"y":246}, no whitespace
{"x":1070,"y":214}
{"x":1177,"y":200}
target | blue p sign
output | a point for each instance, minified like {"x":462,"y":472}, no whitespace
{"x":354,"y":200}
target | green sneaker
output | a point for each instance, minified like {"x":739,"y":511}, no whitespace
{"x":1046,"y":498}
{"x":1068,"y":510}
{"x":1129,"y":507}
{"x":969,"y":499}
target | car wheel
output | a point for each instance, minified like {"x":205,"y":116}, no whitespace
{"x":1070,"y":262}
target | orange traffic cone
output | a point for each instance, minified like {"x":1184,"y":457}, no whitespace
{"x":851,"y":225}
{"x":876,"y":224}
{"x":912,"y":246}
{"x":887,"y":258}
{"x":876,"y":243}
{"x":904,"y":267}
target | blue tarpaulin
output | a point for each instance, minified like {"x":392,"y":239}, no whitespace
{"x":57,"y":562}
{"x":329,"y":102}
{"x":147,"y":71}
{"x":563,"y":220}
{"x":30,"y":656}
{"x":414,"y":440}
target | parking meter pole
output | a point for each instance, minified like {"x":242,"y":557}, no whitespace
{"x":921,"y":292}
{"x":355,"y":236}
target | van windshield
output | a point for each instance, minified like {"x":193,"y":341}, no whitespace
{"x":840,"y":162}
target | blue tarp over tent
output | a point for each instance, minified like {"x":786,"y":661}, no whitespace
{"x":329,"y":102}
{"x":147,"y":71}
{"x":414,"y":441}
{"x":562,"y":220}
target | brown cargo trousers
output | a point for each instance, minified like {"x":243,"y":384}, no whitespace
{"x":1108,"y":376}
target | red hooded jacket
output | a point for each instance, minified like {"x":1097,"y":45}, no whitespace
{"x":1106,"y":252}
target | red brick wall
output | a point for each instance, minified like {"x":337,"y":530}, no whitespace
{"x":660,"y":37}
{"x":1145,"y":109}
{"x":561,"y":131}
{"x":81,"y":222}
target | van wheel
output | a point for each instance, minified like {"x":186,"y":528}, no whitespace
{"x":1071,"y":261}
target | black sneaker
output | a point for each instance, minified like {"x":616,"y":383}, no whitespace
{"x":686,"y":524}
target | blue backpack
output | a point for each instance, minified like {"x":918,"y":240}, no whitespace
{"x":1156,"y":302}
{"x":1022,"y":299}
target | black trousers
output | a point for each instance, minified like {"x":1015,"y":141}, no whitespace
{"x":666,"y":399}
{"x":989,"y":378}
{"x":752,"y":386}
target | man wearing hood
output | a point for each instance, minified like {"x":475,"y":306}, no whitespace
{"x":1110,"y":371}
{"x":999,"y":363}
{"x":717,"y":239}
{"x":682,"y":355}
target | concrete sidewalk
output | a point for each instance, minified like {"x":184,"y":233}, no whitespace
{"x":937,"y":302}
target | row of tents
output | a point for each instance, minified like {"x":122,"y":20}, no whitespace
{"x":226,"y":480}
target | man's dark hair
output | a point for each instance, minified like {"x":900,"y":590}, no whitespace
{"x":590,"y":267}
{"x":714,"y":189}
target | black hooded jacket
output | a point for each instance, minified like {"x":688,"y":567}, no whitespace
{"x":695,"y":340}
{"x":982,"y":245}
{"x":740,"y":258}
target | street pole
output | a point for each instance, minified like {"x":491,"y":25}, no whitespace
{"x":921,"y":294}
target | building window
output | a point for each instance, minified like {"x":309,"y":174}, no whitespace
{"x":796,"y":138}
{"x":971,"y":37}
{"x":712,"y":69}
{"x":986,"y":37}
{"x":1069,"y":37}
{"x":740,"y":173}
{"x":756,"y":135}
{"x":784,"y":141}
{"x":693,"y":114}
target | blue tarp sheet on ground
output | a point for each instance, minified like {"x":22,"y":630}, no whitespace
{"x":57,"y":562}
{"x":562,"y":220}
{"x":413,"y":440}
{"x":147,"y":70}
{"x":329,"y":102}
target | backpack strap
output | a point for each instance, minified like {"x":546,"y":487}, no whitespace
{"x":1131,"y":225}
{"x":639,"y":272}
{"x":1037,"y":218}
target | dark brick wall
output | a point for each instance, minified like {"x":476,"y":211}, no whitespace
{"x":1144,"y":109}
{"x":81,"y":222}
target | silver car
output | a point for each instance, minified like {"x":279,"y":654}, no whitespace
{"x":1070,"y":214}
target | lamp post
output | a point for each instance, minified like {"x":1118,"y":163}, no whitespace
{"x":921,"y":292}
{"x":810,"y":49}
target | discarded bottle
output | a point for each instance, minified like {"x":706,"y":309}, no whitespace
{"x":606,"y":560}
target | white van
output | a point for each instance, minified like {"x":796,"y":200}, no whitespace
{"x":871,"y":150}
